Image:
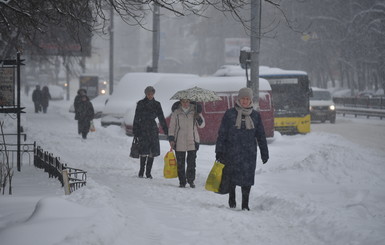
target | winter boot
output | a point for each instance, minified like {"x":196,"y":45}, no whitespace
{"x":245,"y":197}
{"x":191,"y":183}
{"x":232,"y":202}
{"x":150,"y":161}
{"x":142,"y":164}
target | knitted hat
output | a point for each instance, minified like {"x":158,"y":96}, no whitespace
{"x":149,"y":89}
{"x":245,"y":92}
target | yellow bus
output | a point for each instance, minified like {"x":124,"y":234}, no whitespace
{"x":290,"y":94}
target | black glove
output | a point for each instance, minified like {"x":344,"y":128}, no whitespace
{"x":265,"y":160}
{"x":199,"y":120}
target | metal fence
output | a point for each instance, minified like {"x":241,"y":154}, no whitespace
{"x":70,"y":178}
{"x":372,"y":103}
{"x":368,"y":107}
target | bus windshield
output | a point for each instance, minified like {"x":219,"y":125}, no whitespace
{"x":290,"y":95}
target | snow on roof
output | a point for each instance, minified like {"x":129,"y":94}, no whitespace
{"x":265,"y":70}
{"x":318,"y":89}
{"x":236,"y":70}
{"x":131,"y":89}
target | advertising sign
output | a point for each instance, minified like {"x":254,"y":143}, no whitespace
{"x":7,"y":86}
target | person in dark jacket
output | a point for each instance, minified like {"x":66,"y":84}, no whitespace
{"x":240,"y":132}
{"x":77,"y":100}
{"x":147,"y":131}
{"x":45,"y":97}
{"x":36,"y":98}
{"x":85,"y":115}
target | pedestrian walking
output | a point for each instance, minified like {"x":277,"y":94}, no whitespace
{"x":240,"y":132}
{"x":184,"y":138}
{"x":146,"y":130}
{"x":85,"y":115}
{"x":77,"y":101}
{"x":45,"y":98}
{"x":36,"y":98}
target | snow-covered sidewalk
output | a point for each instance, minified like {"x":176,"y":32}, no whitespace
{"x":316,"y":189}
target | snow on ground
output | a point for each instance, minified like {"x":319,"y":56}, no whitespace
{"x":319,"y":188}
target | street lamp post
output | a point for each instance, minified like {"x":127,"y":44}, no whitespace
{"x":255,"y":36}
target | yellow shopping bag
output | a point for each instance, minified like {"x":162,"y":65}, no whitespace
{"x":215,"y":176}
{"x":170,"y":169}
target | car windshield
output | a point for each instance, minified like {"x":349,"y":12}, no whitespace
{"x":321,"y":95}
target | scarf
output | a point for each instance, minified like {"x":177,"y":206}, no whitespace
{"x":244,"y":112}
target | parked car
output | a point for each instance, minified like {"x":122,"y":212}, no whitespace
{"x":56,"y":92}
{"x":99,"y":102}
{"x":365,"y":94}
{"x":322,"y":107}
{"x":130,"y":90}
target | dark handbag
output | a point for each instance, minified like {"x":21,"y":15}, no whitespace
{"x":134,"y":153}
{"x":224,"y":187}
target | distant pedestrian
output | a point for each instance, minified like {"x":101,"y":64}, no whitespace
{"x":240,"y":133}
{"x":146,"y":130}
{"x":45,"y":98}
{"x":184,"y":138}
{"x":77,"y":101}
{"x":85,"y":115}
{"x":36,"y":98}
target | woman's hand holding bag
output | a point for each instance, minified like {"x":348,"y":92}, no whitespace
{"x":170,"y":169}
{"x":134,"y":152}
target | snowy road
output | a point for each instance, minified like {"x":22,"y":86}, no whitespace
{"x":314,"y":190}
{"x":367,"y":132}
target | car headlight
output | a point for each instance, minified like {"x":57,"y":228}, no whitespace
{"x":332,"y":107}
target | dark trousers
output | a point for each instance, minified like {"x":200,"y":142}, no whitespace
{"x":84,"y":128}
{"x":183,"y":173}
{"x":245,"y":196}
{"x":37,"y":107}
{"x":146,"y":163}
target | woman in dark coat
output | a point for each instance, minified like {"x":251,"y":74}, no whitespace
{"x":77,"y":100}
{"x":36,"y":98}
{"x":236,"y":146}
{"x":147,"y":131}
{"x":85,"y":115}
{"x":45,"y":97}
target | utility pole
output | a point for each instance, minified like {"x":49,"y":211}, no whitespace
{"x":155,"y":37}
{"x":255,"y":37}
{"x":111,"y":68}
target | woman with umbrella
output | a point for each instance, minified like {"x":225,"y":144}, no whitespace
{"x":146,"y":130}
{"x":183,"y":134}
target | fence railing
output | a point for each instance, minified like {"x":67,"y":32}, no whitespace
{"x":372,"y":103}
{"x":368,"y":107}
{"x":70,"y":178}
{"x":26,"y":153}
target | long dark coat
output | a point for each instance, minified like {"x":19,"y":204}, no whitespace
{"x":45,"y":97}
{"x":239,"y":147}
{"x":145,"y":127}
{"x":85,"y":115}
{"x":36,"y":96}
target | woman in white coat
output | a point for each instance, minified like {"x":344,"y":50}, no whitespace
{"x":184,"y":138}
